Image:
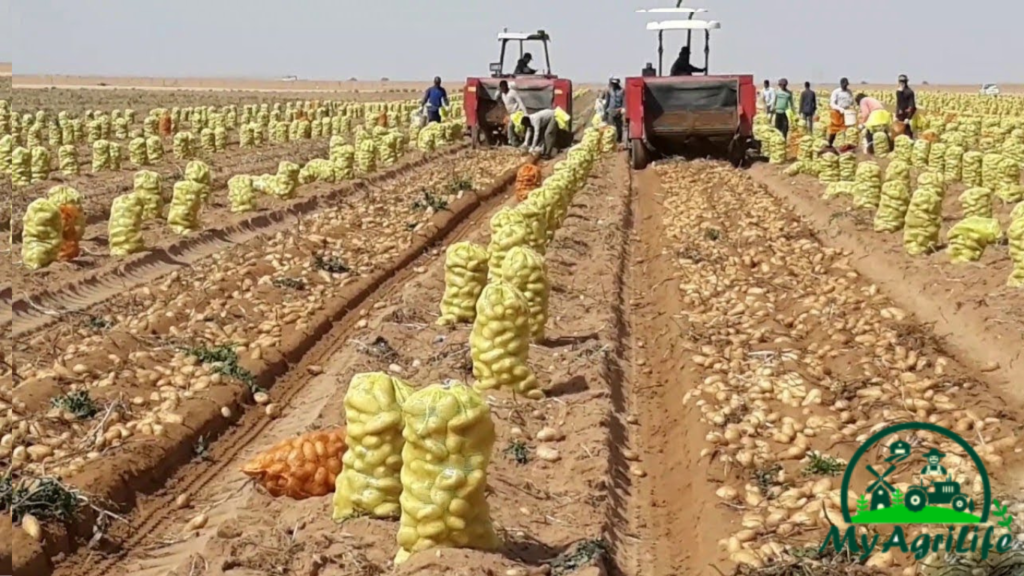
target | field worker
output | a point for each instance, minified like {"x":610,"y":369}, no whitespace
{"x":840,"y":101}
{"x":682,"y":66}
{"x":784,"y":102}
{"x":523,"y":66}
{"x":872,"y":115}
{"x":906,"y":104}
{"x":649,"y":71}
{"x":768,"y":98}
{"x":808,"y":107}
{"x":541,"y":132}
{"x":615,"y":106}
{"x":513,"y":103}
{"x":434,"y":99}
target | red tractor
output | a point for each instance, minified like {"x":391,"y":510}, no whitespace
{"x":485,"y":113}
{"x":689,"y":114}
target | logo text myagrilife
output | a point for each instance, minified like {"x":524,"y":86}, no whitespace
{"x":936,"y":500}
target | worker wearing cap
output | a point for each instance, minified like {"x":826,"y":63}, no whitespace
{"x":934,"y":468}
{"x":840,"y":101}
{"x":434,"y":99}
{"x":615,"y":106}
{"x":513,"y":105}
{"x":872,"y":116}
{"x":542,"y":129}
{"x":906,"y":104}
{"x":523,"y":66}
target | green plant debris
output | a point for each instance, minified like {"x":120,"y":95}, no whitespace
{"x":824,"y":465}
{"x":98,"y":323}
{"x":767,"y":477}
{"x":201,"y":449}
{"x":289,"y":283}
{"x":224,"y":360}
{"x":44,"y":498}
{"x":581,"y":555}
{"x":429,"y":200}
{"x":519,"y":451}
{"x":713,"y":234}
{"x":78,"y":403}
{"x":459,"y":184}
{"x":331,"y":264}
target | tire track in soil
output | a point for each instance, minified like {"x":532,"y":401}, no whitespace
{"x":32,"y":312}
{"x":152,"y":515}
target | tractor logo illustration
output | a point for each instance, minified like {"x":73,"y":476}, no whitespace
{"x":935,"y":498}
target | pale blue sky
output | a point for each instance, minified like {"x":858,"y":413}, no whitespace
{"x":871,"y":40}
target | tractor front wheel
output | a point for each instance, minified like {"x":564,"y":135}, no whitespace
{"x":638,"y":155}
{"x":916,"y":499}
{"x":959,"y":503}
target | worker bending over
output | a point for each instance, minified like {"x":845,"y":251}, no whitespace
{"x":906,"y":104}
{"x":682,"y":66}
{"x":513,"y":104}
{"x":542,"y":130}
{"x":872,"y":116}
{"x":840,"y":101}
{"x":435,"y":98}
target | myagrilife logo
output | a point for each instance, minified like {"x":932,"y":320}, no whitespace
{"x":936,"y":499}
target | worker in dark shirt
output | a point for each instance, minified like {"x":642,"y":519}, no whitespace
{"x":523,"y":66}
{"x":434,"y":99}
{"x":906,"y":105}
{"x":682,"y":67}
{"x":615,"y":106}
{"x":649,"y":71}
{"x":808,"y":107}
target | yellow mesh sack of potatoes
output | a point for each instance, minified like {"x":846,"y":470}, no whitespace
{"x":54,"y":136}
{"x":68,"y":196}
{"x":100,"y":155}
{"x":1017,"y":212}
{"x":971,"y":171}
{"x":186,"y":201}
{"x":503,"y":239}
{"x":154,"y":149}
{"x":883,"y":146}
{"x":182,"y":145}
{"x":40,"y":164}
{"x":536,"y":221}
{"x":903,"y":149}
{"x":370,"y":481}
{"x":317,"y":170}
{"x":847,"y":167}
{"x":241,"y":193}
{"x":6,"y":152}
{"x":976,"y":202}
{"x":366,"y":156}
{"x":465,"y":275}
{"x":500,"y":341}
{"x":828,"y":168}
{"x":42,"y":234}
{"x":898,"y":171}
{"x":937,"y":158}
{"x":1009,"y":189}
{"x":246,"y":136}
{"x":206,"y":142}
{"x":776,"y":147}
{"x":220,"y":139}
{"x":147,"y":189}
{"x":954,"y":164}
{"x":525,"y":269}
{"x":449,"y":436}
{"x":968,"y":238}
{"x":125,"y":225}
{"x":892,"y":207}
{"x":924,"y":221}
{"x":137,"y":152}
{"x":836,"y":189}
{"x":114,"y":156}
{"x":921,"y":153}
{"x":1015,"y":234}
{"x":868,"y":187}
{"x":344,"y":159}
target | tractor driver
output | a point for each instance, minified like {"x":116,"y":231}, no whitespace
{"x":682,"y":66}
{"x":523,"y":66}
{"x":934,"y":468}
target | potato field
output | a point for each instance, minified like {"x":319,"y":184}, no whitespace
{"x":302,"y":333}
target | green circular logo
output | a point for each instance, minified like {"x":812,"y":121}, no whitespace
{"x":915,"y":507}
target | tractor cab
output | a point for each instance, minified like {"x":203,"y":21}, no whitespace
{"x":688,"y":111}
{"x":499,"y":69}
{"x":486,"y":115}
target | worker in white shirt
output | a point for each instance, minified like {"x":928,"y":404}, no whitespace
{"x":541,"y":132}
{"x":768,"y":97}
{"x":513,"y":103}
{"x":840,"y":101}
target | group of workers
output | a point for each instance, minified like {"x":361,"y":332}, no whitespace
{"x":872,"y":115}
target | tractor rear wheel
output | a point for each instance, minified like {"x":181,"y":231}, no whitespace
{"x":638,"y":155}
{"x":916,"y":499}
{"x":959,"y":503}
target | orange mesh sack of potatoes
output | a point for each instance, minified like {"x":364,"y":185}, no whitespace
{"x":527,"y":180}
{"x":69,"y":216}
{"x":301,"y":467}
